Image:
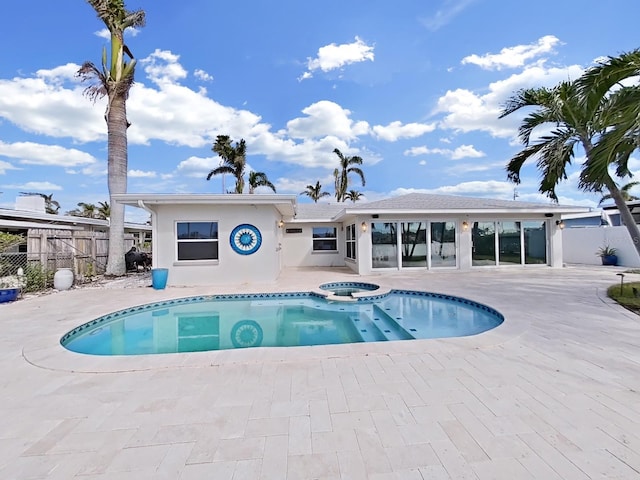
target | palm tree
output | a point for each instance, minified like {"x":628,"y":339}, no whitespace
{"x":51,"y":206}
{"x":624,"y":191}
{"x":314,"y":192}
{"x":259,"y":179}
{"x":87,"y":210}
{"x":353,"y":195}
{"x":103,"y":211}
{"x":341,"y":175}
{"x":574,"y":121}
{"x":234,"y":159}
{"x":114,"y":80}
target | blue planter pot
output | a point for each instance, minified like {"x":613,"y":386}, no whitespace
{"x":9,"y":294}
{"x":610,"y":260}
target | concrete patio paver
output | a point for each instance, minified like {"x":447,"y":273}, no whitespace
{"x":553,"y":393}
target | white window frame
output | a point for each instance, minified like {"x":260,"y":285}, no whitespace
{"x":196,"y":240}
{"x":334,"y":238}
{"x":350,"y":238}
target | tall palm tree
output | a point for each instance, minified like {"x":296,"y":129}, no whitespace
{"x":574,"y":122}
{"x":353,"y":195}
{"x":114,"y":80}
{"x":624,"y":190}
{"x":259,"y":179}
{"x":51,"y":206}
{"x":341,"y":175}
{"x":314,"y":192}
{"x":234,"y":160}
{"x":103,"y":211}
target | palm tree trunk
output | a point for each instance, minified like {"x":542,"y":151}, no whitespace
{"x":117,"y":168}
{"x":618,"y":198}
{"x":625,"y":214}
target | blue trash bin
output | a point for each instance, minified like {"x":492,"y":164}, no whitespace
{"x":159,"y":278}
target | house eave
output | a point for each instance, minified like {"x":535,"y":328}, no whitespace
{"x":285,"y":204}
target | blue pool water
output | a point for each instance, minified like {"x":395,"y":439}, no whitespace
{"x":221,"y":322}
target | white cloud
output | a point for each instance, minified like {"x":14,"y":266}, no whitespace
{"x":512,"y":57}
{"x":326,"y":118}
{"x":467,"y":111}
{"x":466,"y":168}
{"x":44,"y":104}
{"x":202,"y":75}
{"x":141,"y":174}
{"x":35,"y":187}
{"x":162,"y":67}
{"x":332,"y":56}
{"x":491,"y":189}
{"x":38,"y":154}
{"x":197,"y":166}
{"x":463,"y":151}
{"x":129,"y":32}
{"x":396,"y":130}
{"x":4,"y":166}
{"x":52,"y":103}
{"x":449,"y":10}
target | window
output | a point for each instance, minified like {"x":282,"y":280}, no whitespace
{"x":197,"y":240}
{"x":324,"y":239}
{"x":351,"y":241}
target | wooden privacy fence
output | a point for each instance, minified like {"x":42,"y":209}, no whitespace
{"x":84,"y":252}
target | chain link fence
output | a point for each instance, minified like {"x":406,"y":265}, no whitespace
{"x":31,"y":266}
{"x":16,"y":271}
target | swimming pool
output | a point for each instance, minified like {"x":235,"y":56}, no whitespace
{"x":220,"y":322}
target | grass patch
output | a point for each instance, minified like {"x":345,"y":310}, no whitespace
{"x":627,"y":297}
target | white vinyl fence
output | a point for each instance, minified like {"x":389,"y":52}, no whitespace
{"x":580,"y":244}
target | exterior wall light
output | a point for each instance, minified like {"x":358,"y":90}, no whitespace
{"x":465,"y":226}
{"x":363,"y":226}
{"x":280,"y":223}
{"x":560,"y":224}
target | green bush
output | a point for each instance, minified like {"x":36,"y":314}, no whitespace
{"x":37,"y":278}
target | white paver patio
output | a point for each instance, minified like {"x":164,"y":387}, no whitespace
{"x":553,"y":393}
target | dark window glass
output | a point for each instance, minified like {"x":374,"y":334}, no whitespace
{"x":197,"y":230}
{"x":325,"y":238}
{"x":197,"y":250}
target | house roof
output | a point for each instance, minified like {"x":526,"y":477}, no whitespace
{"x":422,"y":203}
{"x":285,"y":204}
{"x":309,"y":212}
{"x":29,"y":219}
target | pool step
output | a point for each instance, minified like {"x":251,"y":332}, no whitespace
{"x":389,"y":323}
{"x":377,"y":326}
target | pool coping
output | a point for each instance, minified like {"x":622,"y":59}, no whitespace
{"x":48,"y":353}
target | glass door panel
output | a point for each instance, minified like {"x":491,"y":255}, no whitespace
{"x":483,"y":237}
{"x":535,"y":242}
{"x":443,"y":244}
{"x":384,"y":245}
{"x":414,"y":244}
{"x":509,"y":243}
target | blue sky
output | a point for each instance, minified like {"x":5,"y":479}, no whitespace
{"x":413,"y":87}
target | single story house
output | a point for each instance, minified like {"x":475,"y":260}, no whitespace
{"x":236,"y":238}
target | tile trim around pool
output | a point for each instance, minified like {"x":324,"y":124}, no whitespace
{"x":47,"y":352}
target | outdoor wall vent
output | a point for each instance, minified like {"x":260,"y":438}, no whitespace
{"x":293,"y":230}
{"x":548,"y":215}
{"x":375,"y":216}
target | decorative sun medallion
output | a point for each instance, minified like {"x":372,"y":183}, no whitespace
{"x":246,"y":333}
{"x":245,"y":239}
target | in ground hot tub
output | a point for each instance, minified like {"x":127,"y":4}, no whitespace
{"x":345,"y":289}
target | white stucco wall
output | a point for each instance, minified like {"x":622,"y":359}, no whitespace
{"x":231,"y":267}
{"x":581,"y":244}
{"x":297,"y":248}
